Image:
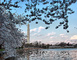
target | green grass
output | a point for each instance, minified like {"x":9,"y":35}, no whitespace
{"x":1,"y":49}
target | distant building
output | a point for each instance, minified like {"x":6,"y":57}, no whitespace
{"x":54,"y":47}
{"x":68,"y":46}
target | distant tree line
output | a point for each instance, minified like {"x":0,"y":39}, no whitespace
{"x":62,"y":44}
{"x":46,"y":46}
{"x":36,"y":45}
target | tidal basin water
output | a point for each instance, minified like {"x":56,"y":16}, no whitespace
{"x":48,"y":54}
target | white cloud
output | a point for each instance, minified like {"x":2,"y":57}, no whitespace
{"x":33,"y":30}
{"x":40,"y":28}
{"x":74,"y":37}
{"x":23,"y":32}
{"x":63,"y":35}
{"x":51,"y":37}
{"x":53,"y":42}
{"x":50,"y":34}
{"x":34,"y":34}
{"x":73,"y":41}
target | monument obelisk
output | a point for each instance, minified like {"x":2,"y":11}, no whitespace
{"x":28,"y":34}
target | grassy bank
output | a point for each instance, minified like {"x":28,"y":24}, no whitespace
{"x":1,"y":49}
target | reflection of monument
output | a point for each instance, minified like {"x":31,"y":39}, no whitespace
{"x":28,"y":34}
{"x":27,"y":57}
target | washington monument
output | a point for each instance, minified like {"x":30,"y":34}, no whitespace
{"x":28,"y":34}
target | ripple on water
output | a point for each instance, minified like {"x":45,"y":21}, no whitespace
{"x":50,"y":54}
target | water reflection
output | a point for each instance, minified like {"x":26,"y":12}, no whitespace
{"x":48,"y":54}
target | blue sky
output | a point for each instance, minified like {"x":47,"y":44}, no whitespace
{"x":52,"y":35}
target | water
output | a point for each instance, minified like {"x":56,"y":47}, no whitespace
{"x":48,"y":54}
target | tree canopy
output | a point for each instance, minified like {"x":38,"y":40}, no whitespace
{"x":53,"y":10}
{"x":10,"y":36}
